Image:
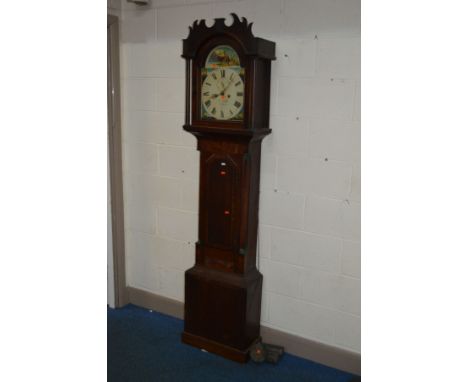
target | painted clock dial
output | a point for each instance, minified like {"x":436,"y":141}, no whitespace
{"x":222,"y":90}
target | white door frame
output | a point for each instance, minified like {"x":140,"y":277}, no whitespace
{"x":115,"y":162}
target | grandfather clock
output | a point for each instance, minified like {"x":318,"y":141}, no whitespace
{"x":227,"y":109}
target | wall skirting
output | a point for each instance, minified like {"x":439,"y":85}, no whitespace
{"x":315,"y":351}
{"x":155,"y":302}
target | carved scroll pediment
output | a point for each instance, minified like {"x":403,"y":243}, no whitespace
{"x":240,"y":30}
{"x":219,"y":25}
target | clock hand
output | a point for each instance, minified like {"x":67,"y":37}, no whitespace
{"x":218,"y":85}
{"x":227,"y":87}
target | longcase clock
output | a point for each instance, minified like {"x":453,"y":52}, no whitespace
{"x":227,"y":109}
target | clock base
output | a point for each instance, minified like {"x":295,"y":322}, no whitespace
{"x":222,"y":311}
{"x":241,"y":356}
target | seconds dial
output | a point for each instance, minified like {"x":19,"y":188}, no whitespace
{"x":223,"y":94}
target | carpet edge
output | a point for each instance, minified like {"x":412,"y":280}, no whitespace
{"x":315,"y":351}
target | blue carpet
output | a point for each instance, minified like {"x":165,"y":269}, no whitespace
{"x":145,"y":346}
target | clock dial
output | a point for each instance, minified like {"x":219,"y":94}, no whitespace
{"x":223,"y":94}
{"x":222,"y":91}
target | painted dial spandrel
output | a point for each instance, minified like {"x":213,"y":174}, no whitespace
{"x":222,"y":92}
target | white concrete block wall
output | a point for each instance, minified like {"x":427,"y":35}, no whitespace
{"x":309,"y":236}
